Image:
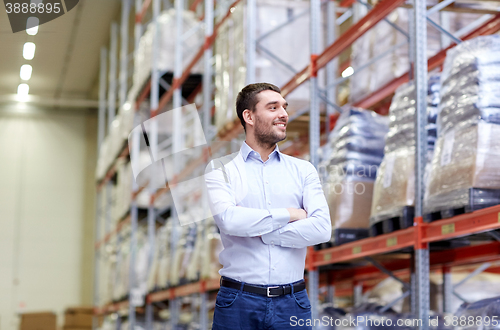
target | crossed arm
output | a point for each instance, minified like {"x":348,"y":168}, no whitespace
{"x":287,"y":227}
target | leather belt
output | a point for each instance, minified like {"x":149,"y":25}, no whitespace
{"x":270,"y":291}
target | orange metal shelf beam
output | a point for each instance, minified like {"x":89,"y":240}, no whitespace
{"x":462,"y":225}
{"x":140,"y":16}
{"x":475,"y":222}
{"x":346,"y":3}
{"x":111,"y":308}
{"x":375,"y":15}
{"x":490,"y":27}
{"x":184,"y":290}
{"x":451,"y":258}
{"x":365,"y":247}
{"x":194,"y":5}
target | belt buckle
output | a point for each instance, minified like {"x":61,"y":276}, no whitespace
{"x":272,"y":295}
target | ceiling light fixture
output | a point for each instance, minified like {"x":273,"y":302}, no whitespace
{"x":32,"y":25}
{"x":22,"y":92}
{"x":26,"y":71}
{"x":29,"y":50}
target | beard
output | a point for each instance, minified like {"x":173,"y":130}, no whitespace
{"x":265,"y":136}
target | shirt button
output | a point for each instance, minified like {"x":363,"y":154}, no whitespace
{"x":272,"y":242}
{"x":267,"y":182}
{"x":269,"y":203}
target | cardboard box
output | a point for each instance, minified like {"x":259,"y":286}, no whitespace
{"x":38,"y":321}
{"x":78,"y":317}
{"x":350,"y":204}
{"x":395,"y":184}
{"x":78,"y":320}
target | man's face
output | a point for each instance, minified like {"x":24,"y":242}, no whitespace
{"x":271,"y":118}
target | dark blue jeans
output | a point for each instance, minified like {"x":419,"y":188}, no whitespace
{"x":239,"y":310}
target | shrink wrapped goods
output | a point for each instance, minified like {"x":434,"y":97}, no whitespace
{"x":357,"y":145}
{"x":464,"y":170}
{"x":192,"y":42}
{"x":210,"y":265}
{"x":194,"y":262}
{"x":165,"y":255}
{"x":484,"y":313}
{"x":464,"y":158}
{"x":287,"y":44}
{"x":178,"y":255}
{"x":395,"y":185}
{"x":141,"y":261}
{"x":471,"y":84}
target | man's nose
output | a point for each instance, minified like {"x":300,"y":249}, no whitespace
{"x":283,"y":113}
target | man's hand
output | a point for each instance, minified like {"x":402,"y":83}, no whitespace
{"x":296,"y":214}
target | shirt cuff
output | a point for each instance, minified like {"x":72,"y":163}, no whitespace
{"x":272,"y":238}
{"x":280,"y":218}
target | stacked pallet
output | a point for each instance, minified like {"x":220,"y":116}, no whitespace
{"x":357,"y":148}
{"x":464,"y":175}
{"x":394,"y":194}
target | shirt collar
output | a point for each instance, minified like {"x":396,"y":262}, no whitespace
{"x":246,"y":151}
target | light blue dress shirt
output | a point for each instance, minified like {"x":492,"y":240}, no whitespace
{"x":249,"y":200}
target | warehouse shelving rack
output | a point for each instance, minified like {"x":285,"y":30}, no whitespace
{"x":417,"y":237}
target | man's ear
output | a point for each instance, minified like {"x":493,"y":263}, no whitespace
{"x":248,"y":117}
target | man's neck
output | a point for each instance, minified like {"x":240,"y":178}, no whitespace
{"x":263,"y":150}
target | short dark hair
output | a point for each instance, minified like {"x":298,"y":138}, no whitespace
{"x":247,"y":98}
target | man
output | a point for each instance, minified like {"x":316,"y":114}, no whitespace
{"x":269,"y":207}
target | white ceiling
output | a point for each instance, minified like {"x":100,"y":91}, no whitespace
{"x":66,"y":62}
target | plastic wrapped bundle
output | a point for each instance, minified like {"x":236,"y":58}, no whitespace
{"x":402,"y":116}
{"x":178,"y":254}
{"x":194,"y":266}
{"x":166,"y":46}
{"x":471,"y":84}
{"x":484,"y":313}
{"x":164,"y":256}
{"x":210,"y":254}
{"x":394,"y":194}
{"x":189,"y":249}
{"x":357,"y":141}
{"x":395,"y":185}
{"x":357,"y":145}
{"x":141,"y":261}
{"x":286,"y":44}
{"x":464,"y":158}
{"x":153,"y":272}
